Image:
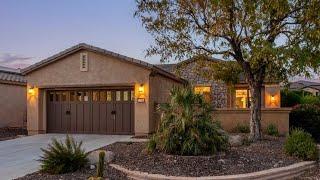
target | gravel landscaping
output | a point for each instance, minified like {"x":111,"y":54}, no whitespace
{"x":245,"y":159}
{"x":313,"y":173}
{"x":83,"y":174}
{"x":7,"y":133}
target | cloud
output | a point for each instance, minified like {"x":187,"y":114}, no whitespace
{"x":15,"y":60}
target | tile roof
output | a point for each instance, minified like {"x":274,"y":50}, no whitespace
{"x":298,"y":85}
{"x":102,"y":51}
{"x":10,"y":75}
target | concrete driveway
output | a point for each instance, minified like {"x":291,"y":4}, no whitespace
{"x":18,"y":157}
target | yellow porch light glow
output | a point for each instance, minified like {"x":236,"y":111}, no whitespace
{"x":31,"y":91}
{"x":273,"y":99}
{"x":141,"y":89}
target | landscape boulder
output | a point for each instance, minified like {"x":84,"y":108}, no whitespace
{"x":93,"y":156}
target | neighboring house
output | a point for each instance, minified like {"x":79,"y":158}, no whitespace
{"x":232,"y":102}
{"x":85,"y":89}
{"x":305,"y":86}
{"x":13,"y":101}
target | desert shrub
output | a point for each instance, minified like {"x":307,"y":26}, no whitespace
{"x":310,"y":100}
{"x":301,"y":144}
{"x":306,"y":117}
{"x":241,"y":128}
{"x":61,"y":157}
{"x":272,"y":130}
{"x":290,"y":98}
{"x":186,"y":126}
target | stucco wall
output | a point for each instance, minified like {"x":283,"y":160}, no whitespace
{"x":13,"y":103}
{"x":159,"y":93}
{"x":230,"y":118}
{"x":103,"y":71}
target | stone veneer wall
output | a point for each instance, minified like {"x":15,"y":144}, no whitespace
{"x":219,"y":90}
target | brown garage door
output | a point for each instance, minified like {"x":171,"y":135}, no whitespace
{"x":97,"y":111}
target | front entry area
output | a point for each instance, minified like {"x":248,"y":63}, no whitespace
{"x":91,"y":111}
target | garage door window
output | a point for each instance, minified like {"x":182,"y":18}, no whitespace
{"x":58,"y":96}
{"x":86,"y":96}
{"x":103,"y":96}
{"x":95,"y":96}
{"x":51,"y":96}
{"x":118,"y":95}
{"x":73,"y":96}
{"x":109,"y":96}
{"x":125,"y":95}
{"x":64,"y":96}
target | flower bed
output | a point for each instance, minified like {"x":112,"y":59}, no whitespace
{"x":259,"y":156}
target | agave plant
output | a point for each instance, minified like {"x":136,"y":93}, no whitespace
{"x":61,"y":157}
{"x":186,"y":126}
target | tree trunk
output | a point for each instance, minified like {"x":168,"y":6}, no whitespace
{"x":255,"y":112}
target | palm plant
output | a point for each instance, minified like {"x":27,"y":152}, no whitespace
{"x":61,"y":157}
{"x":186,"y":126}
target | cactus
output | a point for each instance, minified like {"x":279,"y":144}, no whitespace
{"x":100,"y":167}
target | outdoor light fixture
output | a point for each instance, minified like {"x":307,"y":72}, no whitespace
{"x":273,"y":99}
{"x":31,"y":90}
{"x":141,"y":97}
{"x":141,"y":89}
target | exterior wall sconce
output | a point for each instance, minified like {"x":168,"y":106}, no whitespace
{"x":273,"y":99}
{"x":31,"y":90}
{"x":141,"y":97}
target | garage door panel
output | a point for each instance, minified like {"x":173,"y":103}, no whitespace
{"x":126,"y":120}
{"x":87,"y":120}
{"x":95,"y":117}
{"x":51,"y":117}
{"x":99,"y":111}
{"x":119,"y":117}
{"x":65,"y":117}
{"x":80,"y":118}
{"x":58,"y":112}
{"x":103,"y":118}
{"x":73,"y":117}
{"x":110,"y":118}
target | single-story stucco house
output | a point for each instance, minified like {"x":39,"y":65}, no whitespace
{"x":305,"y":86}
{"x":13,"y":98}
{"x":86,"y":89}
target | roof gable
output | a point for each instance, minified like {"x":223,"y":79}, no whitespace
{"x":83,"y":46}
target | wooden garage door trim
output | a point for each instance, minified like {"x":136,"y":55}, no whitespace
{"x":65,"y":110}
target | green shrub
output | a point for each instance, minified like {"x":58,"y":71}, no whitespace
{"x":307,"y":117}
{"x":272,"y":130}
{"x":61,"y":157}
{"x":186,"y":126}
{"x":242,"y":128}
{"x":290,"y":98}
{"x":310,"y":100}
{"x":300,"y":144}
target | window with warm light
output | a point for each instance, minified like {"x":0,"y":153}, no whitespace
{"x":242,"y":98}
{"x":205,"y":91}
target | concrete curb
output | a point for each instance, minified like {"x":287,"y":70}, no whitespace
{"x":281,"y":173}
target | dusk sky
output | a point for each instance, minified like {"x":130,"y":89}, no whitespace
{"x":36,"y":29}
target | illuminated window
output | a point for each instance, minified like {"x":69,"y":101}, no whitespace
{"x":242,"y":98}
{"x":205,"y":91}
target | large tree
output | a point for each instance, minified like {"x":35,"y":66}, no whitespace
{"x":267,"y":38}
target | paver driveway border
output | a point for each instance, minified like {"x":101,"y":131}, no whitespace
{"x":18,"y":157}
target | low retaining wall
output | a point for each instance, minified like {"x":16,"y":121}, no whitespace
{"x":287,"y":172}
{"x":230,"y":118}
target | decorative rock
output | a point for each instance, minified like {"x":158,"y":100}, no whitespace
{"x":235,"y":140}
{"x":92,"y":166}
{"x":221,"y":161}
{"x":94,"y":156}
